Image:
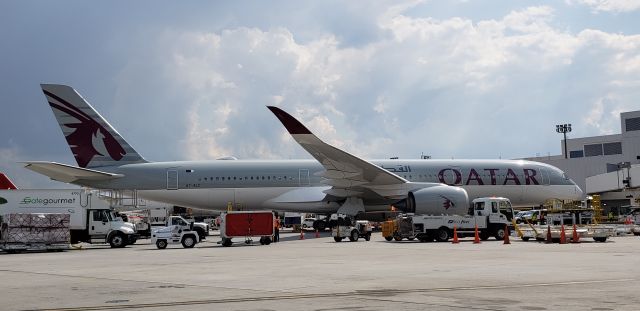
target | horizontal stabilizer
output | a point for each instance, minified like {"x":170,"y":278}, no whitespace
{"x":68,"y":173}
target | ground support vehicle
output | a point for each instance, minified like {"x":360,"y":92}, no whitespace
{"x":599,"y":233}
{"x":162,"y":237}
{"x":353,"y":230}
{"x":490,"y":215}
{"x":91,"y":218}
{"x":292,"y":220}
{"x":199,"y":227}
{"x":159,"y":217}
{"x":20,"y":232}
{"x":247,"y":225}
{"x":140,"y":221}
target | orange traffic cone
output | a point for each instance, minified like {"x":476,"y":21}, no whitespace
{"x":549,"y":239}
{"x":563,"y":236}
{"x":301,"y":234}
{"x":575,"y":238}
{"x":455,"y":235}
{"x":476,"y":240}
{"x":317,"y":233}
{"x":506,"y":234}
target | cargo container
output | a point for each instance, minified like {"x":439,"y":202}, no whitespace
{"x":19,"y":232}
{"x":247,"y":224}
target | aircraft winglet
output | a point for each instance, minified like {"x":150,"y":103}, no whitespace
{"x":290,"y":123}
{"x":348,"y":175}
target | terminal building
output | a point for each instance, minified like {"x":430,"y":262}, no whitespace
{"x":607,"y":165}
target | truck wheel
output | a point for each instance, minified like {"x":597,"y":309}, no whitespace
{"x":132,"y":241}
{"x":484,"y":235}
{"x":525,"y":238}
{"x":600,"y":239}
{"x":442,"y":235}
{"x":388,"y":238}
{"x":337,"y":239}
{"x":367,"y":237}
{"x":188,"y":241}
{"x":499,"y":234}
{"x":226,"y":242}
{"x":354,"y":236}
{"x":397,"y":238}
{"x":411,"y":238}
{"x":117,"y":240}
{"x":161,"y":244}
{"x":267,"y":241}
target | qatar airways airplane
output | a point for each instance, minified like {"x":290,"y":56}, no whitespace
{"x":336,"y":181}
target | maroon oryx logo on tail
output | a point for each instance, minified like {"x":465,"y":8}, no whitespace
{"x":89,"y":137}
{"x":447,"y":203}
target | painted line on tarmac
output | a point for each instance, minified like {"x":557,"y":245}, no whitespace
{"x":355,"y":294}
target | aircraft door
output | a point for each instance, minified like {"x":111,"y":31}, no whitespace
{"x":303,"y":178}
{"x":172,"y":180}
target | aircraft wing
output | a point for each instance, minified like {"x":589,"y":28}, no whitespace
{"x":347,"y":174}
{"x":68,"y":173}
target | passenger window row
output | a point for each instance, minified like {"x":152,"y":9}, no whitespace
{"x":255,"y":178}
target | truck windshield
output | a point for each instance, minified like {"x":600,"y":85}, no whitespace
{"x":506,"y":209}
{"x":112,"y":216}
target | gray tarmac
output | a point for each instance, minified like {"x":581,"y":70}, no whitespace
{"x":319,"y":274}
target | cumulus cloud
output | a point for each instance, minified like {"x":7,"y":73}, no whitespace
{"x":615,"y":6}
{"x":446,"y":85}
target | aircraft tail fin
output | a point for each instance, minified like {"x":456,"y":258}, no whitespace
{"x":93,"y":141}
{"x":5,"y":183}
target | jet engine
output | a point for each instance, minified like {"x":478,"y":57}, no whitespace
{"x":437,"y":200}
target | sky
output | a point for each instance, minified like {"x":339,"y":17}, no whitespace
{"x":190,"y":80}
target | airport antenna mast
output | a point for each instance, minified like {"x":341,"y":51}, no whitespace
{"x":564,"y":129}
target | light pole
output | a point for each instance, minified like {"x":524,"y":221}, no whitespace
{"x":564,"y":129}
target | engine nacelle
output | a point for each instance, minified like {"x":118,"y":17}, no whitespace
{"x":437,"y":200}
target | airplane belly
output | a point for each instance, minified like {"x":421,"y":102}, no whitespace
{"x":535,"y":195}
{"x":240,"y":198}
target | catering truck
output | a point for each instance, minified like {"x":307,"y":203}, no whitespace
{"x":490,"y":215}
{"x":91,"y":218}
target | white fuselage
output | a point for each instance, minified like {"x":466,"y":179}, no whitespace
{"x":295,"y":185}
